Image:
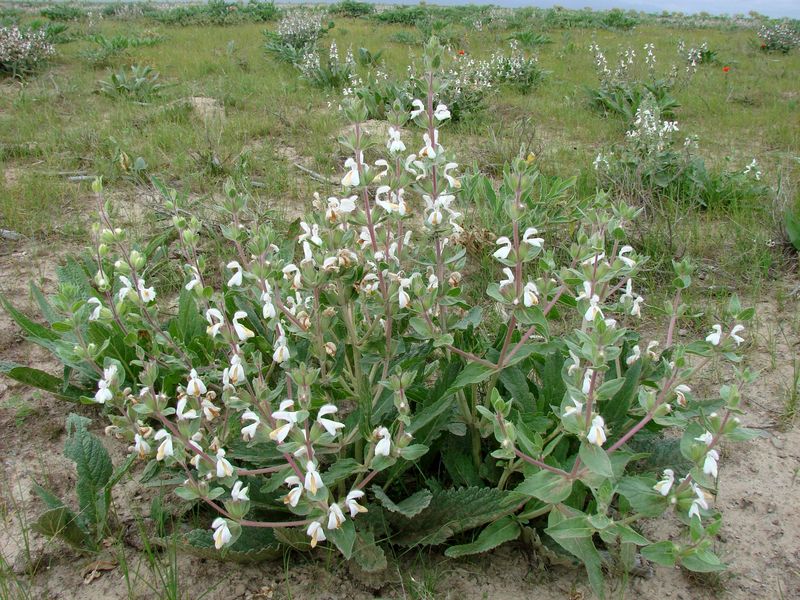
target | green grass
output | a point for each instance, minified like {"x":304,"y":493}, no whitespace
{"x":57,"y":123}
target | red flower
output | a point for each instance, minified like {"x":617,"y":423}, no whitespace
{"x":763,"y":46}
{"x":461,"y":53}
{"x":725,"y":69}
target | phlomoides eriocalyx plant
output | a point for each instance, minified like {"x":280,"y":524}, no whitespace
{"x":351,"y":362}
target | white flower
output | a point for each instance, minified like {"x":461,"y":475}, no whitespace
{"x":165,"y":448}
{"x":210,"y":410}
{"x":238,"y":493}
{"x":196,"y":387}
{"x":329,"y":425}
{"x":224,"y":468}
{"x":527,"y":238}
{"x":452,"y":181}
{"x":597,"y":433}
{"x":665,"y":485}
{"x":194,"y":281}
{"x":509,"y":278}
{"x":310,"y":233}
{"x":429,"y":149}
{"x":505,"y":248}
{"x":736,"y":329}
{"x":281,"y":354}
{"x":182,"y":413}
{"x":636,"y":309}
{"x":316,"y":533}
{"x":575,"y":409}
{"x":313,"y":480}
{"x":651,"y":349}
{"x":351,"y":178}
{"x":335,"y":516}
{"x":629,"y":262}
{"x":291,"y":271}
{"x":403,"y":297}
{"x":384,"y":446}
{"x":337,"y":207}
{"x":146,"y":294}
{"x":141,"y":446}
{"x":710,"y":463}
{"x":681,"y":391}
{"x":351,"y":504}
{"x":242,"y":332}
{"x":530,"y":294}
{"x":222,"y":535}
{"x":233,"y":375}
{"x":419,"y":108}
{"x":104,"y":393}
{"x":441,"y":112}
{"x":628,"y":295}
{"x":635,"y":355}
{"x":127,"y":288}
{"x":698,"y":502}
{"x":268,"y":311}
{"x":293,"y":497}
{"x":396,"y":205}
{"x":249,"y":432}
{"x":715,"y":336}
{"x":395,"y":144}
{"x":236,"y":280}
{"x":283,"y":414}
{"x":98,"y":306}
{"x":215,"y":321}
{"x":707,"y":438}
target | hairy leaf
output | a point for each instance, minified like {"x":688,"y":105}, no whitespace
{"x":501,"y":531}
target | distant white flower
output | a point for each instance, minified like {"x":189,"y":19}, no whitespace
{"x":233,"y":375}
{"x":293,"y":497}
{"x":665,"y":485}
{"x":441,"y":112}
{"x":195,"y":280}
{"x":636,"y":308}
{"x":329,"y":425}
{"x":236,"y":280}
{"x":681,"y":391}
{"x":222,"y":535}
{"x":710,"y":463}
{"x":339,"y":207}
{"x":289,"y":417}
{"x":419,"y":108}
{"x":530,"y":294}
{"x":313,"y":481}
{"x":597,"y":433}
{"x":384,"y":446}
{"x":127,"y":288}
{"x":629,"y":262}
{"x":509,"y":280}
{"x":182,"y":413}
{"x":335,"y":516}
{"x":291,"y":271}
{"x":635,"y":355}
{"x":698,"y":502}
{"x":195,"y":387}
{"x":224,"y":468}
{"x":242,"y":332}
{"x":281,"y":353}
{"x":104,"y":393}
{"x":210,"y":410}
{"x":316,"y":533}
{"x":165,"y":448}
{"x":527,"y":238}
{"x":238,"y":493}
{"x":310,"y":233}
{"x":98,"y":306}
{"x":351,"y":504}
{"x":215,"y":321}
{"x":736,"y":338}
{"x":505,"y":248}
{"x":352,"y":177}
{"x":575,"y":409}
{"x":715,"y":336}
{"x":147,"y":294}
{"x":707,"y":438}
{"x":452,"y":181}
{"x":140,"y":445}
{"x":395,"y":144}
{"x":249,"y":432}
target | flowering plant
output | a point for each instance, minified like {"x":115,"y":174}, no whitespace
{"x":779,"y":37}
{"x":313,"y":385}
{"x":22,"y":52}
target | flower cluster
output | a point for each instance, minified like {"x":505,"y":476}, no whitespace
{"x":300,"y":28}
{"x":21,"y":51}
{"x":779,"y":37}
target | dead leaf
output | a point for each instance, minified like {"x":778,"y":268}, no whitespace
{"x":94,"y":570}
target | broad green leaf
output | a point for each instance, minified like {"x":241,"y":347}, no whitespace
{"x":501,"y":531}
{"x":344,"y":537}
{"x":570,"y":528}
{"x":253,"y":545}
{"x":639,"y":492}
{"x":546,"y":486}
{"x":616,"y":409}
{"x":410,"y":507}
{"x":339,"y":470}
{"x":367,"y":554}
{"x":414,"y":451}
{"x":61,"y":522}
{"x":596,"y":459}
{"x":43,"y":381}
{"x":702,"y":561}
{"x":473,"y":373}
{"x":92,"y":463}
{"x":662,"y":553}
{"x":584,"y":549}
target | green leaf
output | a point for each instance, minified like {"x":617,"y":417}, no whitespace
{"x":702,"y":561}
{"x":339,"y":470}
{"x":473,"y":373}
{"x":546,"y":486}
{"x":410,"y":507}
{"x":367,"y":554}
{"x":43,"y":381}
{"x":414,"y":451}
{"x":662,"y":553}
{"x":616,"y":409}
{"x":50,"y":499}
{"x":473,"y":317}
{"x":453,"y":511}
{"x":344,"y":538}
{"x":501,"y":531}
{"x":639,"y":492}
{"x":61,"y":522}
{"x":92,"y":463}
{"x":596,"y":459}
{"x":570,"y":528}
{"x":32,"y":328}
{"x":253,"y":545}
{"x":584,"y":549}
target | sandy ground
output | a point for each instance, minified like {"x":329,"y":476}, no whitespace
{"x":758,"y":483}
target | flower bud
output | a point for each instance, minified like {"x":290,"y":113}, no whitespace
{"x":330,"y":349}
